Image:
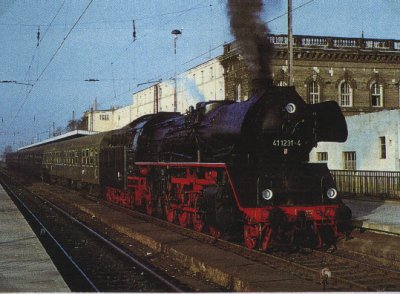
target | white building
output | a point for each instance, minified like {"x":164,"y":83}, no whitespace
{"x":373,"y":144}
{"x":203,"y":82}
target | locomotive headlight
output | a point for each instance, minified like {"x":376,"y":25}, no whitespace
{"x":267,"y":194}
{"x":290,"y":108}
{"x":331,"y":193}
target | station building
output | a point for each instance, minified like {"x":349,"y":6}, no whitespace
{"x":373,"y":144}
{"x":203,"y":82}
{"x":361,"y":74}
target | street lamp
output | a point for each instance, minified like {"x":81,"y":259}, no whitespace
{"x":176,"y":34}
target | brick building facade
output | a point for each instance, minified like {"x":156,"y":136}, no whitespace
{"x":362,"y":75}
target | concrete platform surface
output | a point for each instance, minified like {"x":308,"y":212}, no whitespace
{"x":377,"y":215}
{"x":24,"y":264}
{"x":381,"y":216}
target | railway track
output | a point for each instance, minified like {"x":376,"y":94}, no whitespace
{"x":337,"y":271}
{"x":340,"y":269}
{"x":86,"y":259}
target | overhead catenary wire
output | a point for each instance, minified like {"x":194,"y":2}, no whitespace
{"x":147,"y":17}
{"x":40,"y":38}
{"x":222,"y":44}
{"x":117,"y":91}
{"x":50,"y":61}
{"x":199,"y":5}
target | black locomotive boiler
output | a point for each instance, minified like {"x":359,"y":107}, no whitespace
{"x":223,"y":167}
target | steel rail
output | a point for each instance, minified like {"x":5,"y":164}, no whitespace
{"x":53,"y":239}
{"x":114,"y":246}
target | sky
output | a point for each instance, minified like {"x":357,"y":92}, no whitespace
{"x":84,"y":40}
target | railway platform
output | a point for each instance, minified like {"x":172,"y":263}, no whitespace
{"x":381,"y":216}
{"x":24,"y":264}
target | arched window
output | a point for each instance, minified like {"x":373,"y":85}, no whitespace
{"x":313,"y":92}
{"x":345,"y":94}
{"x":281,"y":84}
{"x":376,"y":95}
{"x":239,"y":93}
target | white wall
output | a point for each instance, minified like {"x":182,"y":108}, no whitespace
{"x":122,"y":116}
{"x":364,"y":132}
{"x":96,"y":121}
{"x":203,"y":82}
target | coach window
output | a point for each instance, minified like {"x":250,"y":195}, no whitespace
{"x":376,"y":95}
{"x":91,"y":157}
{"x":84,"y":159}
{"x":96,"y":157}
{"x":87,"y":156}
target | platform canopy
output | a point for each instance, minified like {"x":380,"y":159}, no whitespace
{"x":63,"y":137}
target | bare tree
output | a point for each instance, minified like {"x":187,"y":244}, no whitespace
{"x":7,"y":149}
{"x":77,"y":124}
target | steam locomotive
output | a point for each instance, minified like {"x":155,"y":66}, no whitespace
{"x":223,"y":167}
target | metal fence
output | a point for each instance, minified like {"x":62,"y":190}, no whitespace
{"x":382,"y":184}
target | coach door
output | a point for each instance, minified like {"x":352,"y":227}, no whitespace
{"x":113,"y":167}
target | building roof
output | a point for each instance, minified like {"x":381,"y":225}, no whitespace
{"x":328,"y":42}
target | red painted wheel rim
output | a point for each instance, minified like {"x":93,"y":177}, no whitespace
{"x":183,"y":218}
{"x":198,"y":223}
{"x":214,"y":232}
{"x":169,"y":214}
{"x":149,"y":208}
{"x":250,"y":237}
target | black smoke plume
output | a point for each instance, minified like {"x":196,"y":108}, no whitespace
{"x":251,"y":36}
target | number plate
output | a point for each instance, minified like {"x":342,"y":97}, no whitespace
{"x":286,"y":143}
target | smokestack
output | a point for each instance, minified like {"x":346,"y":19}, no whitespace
{"x":252,"y":37}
